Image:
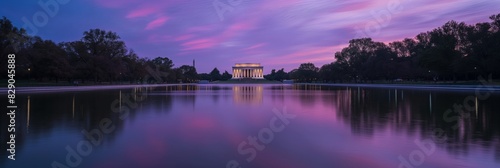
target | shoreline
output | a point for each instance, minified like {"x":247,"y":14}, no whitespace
{"x":39,"y":89}
{"x":412,"y":86}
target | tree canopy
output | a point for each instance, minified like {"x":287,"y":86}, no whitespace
{"x":99,"y":56}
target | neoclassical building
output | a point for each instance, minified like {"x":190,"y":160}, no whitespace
{"x":248,"y":71}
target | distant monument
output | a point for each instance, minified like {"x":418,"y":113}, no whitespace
{"x":248,"y":71}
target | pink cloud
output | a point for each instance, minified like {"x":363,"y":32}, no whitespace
{"x":142,"y":12}
{"x":238,"y":28}
{"x":199,"y":44}
{"x":231,"y":31}
{"x":353,"y":7}
{"x":255,"y":46}
{"x":157,"y":23}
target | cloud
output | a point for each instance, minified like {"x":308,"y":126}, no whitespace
{"x":255,"y":46}
{"x":116,"y":3}
{"x":199,"y":44}
{"x":282,"y":33}
{"x":142,"y":12}
{"x":157,"y":23}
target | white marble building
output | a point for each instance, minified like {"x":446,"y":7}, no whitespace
{"x":248,"y":71}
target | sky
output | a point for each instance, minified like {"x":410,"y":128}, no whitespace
{"x":219,"y":33}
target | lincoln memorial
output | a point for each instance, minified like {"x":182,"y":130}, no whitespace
{"x":248,"y":71}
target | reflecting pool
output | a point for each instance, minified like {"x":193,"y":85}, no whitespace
{"x":295,"y":126}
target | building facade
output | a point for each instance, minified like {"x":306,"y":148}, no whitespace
{"x":248,"y":71}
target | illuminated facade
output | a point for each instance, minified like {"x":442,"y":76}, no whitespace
{"x":248,"y":71}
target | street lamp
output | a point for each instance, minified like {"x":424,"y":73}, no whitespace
{"x":432,"y":78}
{"x":475,"y":71}
{"x":29,"y":75}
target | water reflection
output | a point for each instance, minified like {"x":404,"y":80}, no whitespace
{"x":28,"y":111}
{"x":202,"y":126}
{"x":367,"y":112}
{"x":248,"y":94}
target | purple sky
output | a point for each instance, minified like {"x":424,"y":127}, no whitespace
{"x":275,"y":33}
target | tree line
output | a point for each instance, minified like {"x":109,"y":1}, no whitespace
{"x":99,"y":56}
{"x":454,"y":51}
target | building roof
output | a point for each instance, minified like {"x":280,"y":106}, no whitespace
{"x":249,"y":65}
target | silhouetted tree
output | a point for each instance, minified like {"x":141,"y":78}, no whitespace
{"x":306,"y":72}
{"x":12,"y":41}
{"x":226,"y":76}
{"x":205,"y":76}
{"x":188,"y":73}
{"x":49,"y":61}
{"x":271,"y":76}
{"x":215,"y":75}
{"x":281,"y":75}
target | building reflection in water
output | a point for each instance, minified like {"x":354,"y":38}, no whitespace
{"x":248,"y":94}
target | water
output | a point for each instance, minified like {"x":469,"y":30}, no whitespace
{"x":256,"y":126}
